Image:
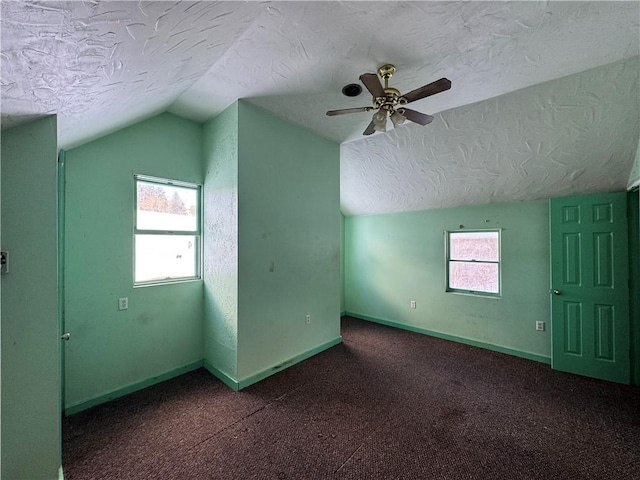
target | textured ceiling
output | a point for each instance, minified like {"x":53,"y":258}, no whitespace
{"x":570,"y":136}
{"x":103,"y":65}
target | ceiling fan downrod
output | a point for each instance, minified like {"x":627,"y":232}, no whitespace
{"x":391,"y":96}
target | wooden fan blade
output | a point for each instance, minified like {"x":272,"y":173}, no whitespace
{"x":333,"y":113}
{"x":416,"y":117}
{"x":428,"y":90}
{"x":369,"y":130}
{"x":372,"y":82}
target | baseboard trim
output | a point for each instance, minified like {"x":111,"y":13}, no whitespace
{"x":256,"y":377}
{"x":134,"y":387}
{"x":228,"y":380}
{"x":454,"y":338}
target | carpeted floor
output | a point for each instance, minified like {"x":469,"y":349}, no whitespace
{"x":385,"y":404}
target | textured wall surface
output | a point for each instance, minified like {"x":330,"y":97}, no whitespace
{"x":393,"y":259}
{"x":220,"y":229}
{"x":162,"y":329}
{"x":30,"y":424}
{"x":577,"y":134}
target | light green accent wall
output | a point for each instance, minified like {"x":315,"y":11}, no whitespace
{"x":161,"y":331}
{"x":261,"y":375}
{"x":121,"y":392}
{"x":634,"y":176}
{"x":272,"y":244}
{"x":395,"y":258}
{"x":220,"y":161}
{"x":30,"y":423}
{"x":453,"y":338}
{"x":289,"y":240}
{"x":341,"y":263}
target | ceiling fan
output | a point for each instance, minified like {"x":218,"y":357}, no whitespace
{"x":386,"y":99}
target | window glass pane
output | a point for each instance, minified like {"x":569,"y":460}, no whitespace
{"x":476,"y":276}
{"x":474,"y":246}
{"x":166,"y":207}
{"x":165,"y":257}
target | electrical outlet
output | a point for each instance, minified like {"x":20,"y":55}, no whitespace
{"x":413,"y":304}
{"x":123,"y":303}
{"x":307,"y":319}
{"x":540,"y":326}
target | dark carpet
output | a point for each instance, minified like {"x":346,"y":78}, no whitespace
{"x":385,"y":404}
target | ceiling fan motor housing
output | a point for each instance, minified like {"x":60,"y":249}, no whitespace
{"x":392,"y":98}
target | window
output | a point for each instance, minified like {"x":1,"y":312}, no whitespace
{"x":167,"y":231}
{"x":473,"y":262}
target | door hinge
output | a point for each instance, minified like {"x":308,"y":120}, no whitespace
{"x":4,"y":262}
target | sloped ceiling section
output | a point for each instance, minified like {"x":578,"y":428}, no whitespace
{"x":294,"y":59}
{"x":574,"y":135}
{"x":104,"y":65}
{"x":101,"y":65}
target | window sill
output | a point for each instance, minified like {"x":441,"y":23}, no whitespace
{"x":167,"y":282}
{"x":495,"y":296}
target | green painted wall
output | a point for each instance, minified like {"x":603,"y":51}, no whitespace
{"x":342,"y":263}
{"x":220,"y":161}
{"x":393,"y":259}
{"x":289,"y":240}
{"x":161,"y":332}
{"x":634,"y":176}
{"x":30,"y":423}
{"x":272,"y":242}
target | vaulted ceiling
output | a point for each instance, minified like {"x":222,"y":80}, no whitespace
{"x":545,"y":96}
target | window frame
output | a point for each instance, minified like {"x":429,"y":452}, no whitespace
{"x":448,"y":260}
{"x":197,"y":233}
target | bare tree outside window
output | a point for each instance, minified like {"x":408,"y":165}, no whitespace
{"x":167,"y":231}
{"x":473,"y":262}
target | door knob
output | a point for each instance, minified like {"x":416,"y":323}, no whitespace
{"x":557,"y":292}
{"x":66,"y":337}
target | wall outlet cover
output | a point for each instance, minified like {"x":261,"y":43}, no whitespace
{"x":123,"y":303}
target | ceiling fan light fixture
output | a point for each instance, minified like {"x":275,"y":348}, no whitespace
{"x":380,"y":127}
{"x":380,"y":121}
{"x":379,"y":117}
{"x":397,"y":118}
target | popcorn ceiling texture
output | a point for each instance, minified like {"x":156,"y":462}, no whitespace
{"x":485,"y":48}
{"x":104,"y":65}
{"x":575,"y":135}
